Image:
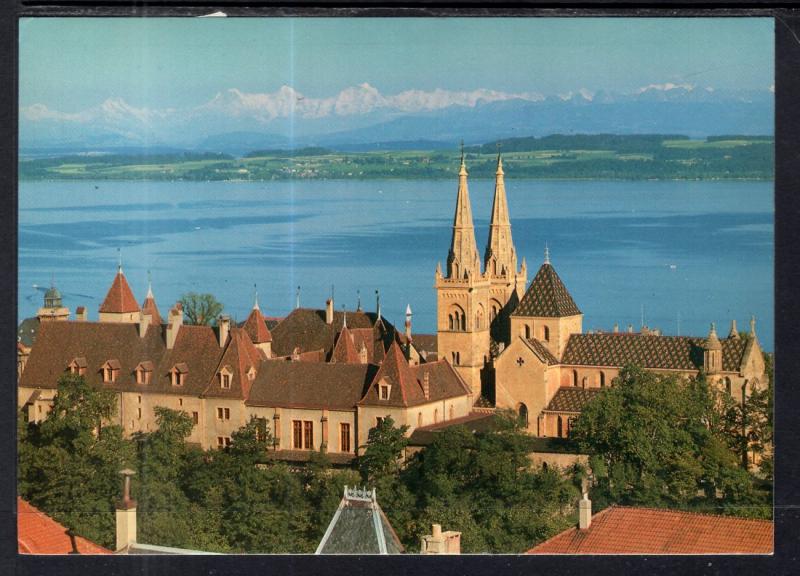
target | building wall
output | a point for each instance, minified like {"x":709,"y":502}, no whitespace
{"x":213,"y":427}
{"x":130,"y":403}
{"x":560,"y":330}
{"x":131,"y":317}
{"x":521,"y":378}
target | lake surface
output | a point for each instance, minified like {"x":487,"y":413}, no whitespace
{"x":685,"y":253}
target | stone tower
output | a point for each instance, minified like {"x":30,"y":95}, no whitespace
{"x":507,"y":284}
{"x":53,"y":308}
{"x":463,"y":296}
{"x":119,"y":304}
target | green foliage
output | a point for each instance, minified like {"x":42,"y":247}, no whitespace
{"x":200,"y":309}
{"x":657,"y":440}
{"x":69,"y":463}
{"x":383,"y":451}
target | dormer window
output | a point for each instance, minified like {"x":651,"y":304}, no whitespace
{"x":178,"y":374}
{"x":225,"y":377}
{"x":77,"y":366}
{"x":111,"y":371}
{"x":144,"y":372}
{"x":251,"y":373}
{"x":384,"y":390}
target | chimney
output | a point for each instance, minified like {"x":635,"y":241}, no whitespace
{"x":329,"y":311}
{"x":224,"y":325}
{"x":80,"y":314}
{"x":174,"y":323}
{"x":126,"y":514}
{"x":144,"y":322}
{"x":734,"y":333}
{"x":426,"y":385}
{"x":439,"y":542}
{"x":630,"y":328}
{"x":616,"y":328}
{"x":584,"y":512}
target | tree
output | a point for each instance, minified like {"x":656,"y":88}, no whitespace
{"x":200,"y":309}
{"x":660,"y":440}
{"x":69,"y":463}
{"x":383,"y":450}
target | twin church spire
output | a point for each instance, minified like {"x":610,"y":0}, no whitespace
{"x":500,"y":258}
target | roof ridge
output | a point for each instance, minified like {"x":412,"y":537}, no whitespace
{"x":690,"y":512}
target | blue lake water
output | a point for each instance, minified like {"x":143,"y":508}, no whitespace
{"x":688,"y":253}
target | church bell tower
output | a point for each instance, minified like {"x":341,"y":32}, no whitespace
{"x":463,"y":296}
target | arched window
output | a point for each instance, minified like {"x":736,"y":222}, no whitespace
{"x":527,"y":332}
{"x":479,"y":317}
{"x":583,"y":382}
{"x":523,"y":414}
{"x":574,"y":377}
{"x":451,"y":323}
{"x":546,"y":333}
{"x":602,"y":379}
{"x":457,"y":318}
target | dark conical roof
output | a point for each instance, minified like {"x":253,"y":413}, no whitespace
{"x":547,"y":296}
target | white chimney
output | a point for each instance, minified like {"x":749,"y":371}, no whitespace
{"x":329,"y":311}
{"x":80,"y":314}
{"x":174,"y":323}
{"x":126,"y":514}
{"x":224,"y":325}
{"x":584,"y":512}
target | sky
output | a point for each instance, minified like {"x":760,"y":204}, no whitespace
{"x":72,"y":64}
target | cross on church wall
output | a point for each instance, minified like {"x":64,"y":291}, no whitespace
{"x":520,"y":361}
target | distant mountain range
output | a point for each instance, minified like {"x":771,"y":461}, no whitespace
{"x":237,"y":123}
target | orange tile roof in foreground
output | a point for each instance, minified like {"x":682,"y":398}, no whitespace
{"x":631,"y":530}
{"x":37,"y":533}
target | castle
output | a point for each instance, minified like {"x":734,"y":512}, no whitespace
{"x":323,"y":378}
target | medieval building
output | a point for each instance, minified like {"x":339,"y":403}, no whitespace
{"x":525,"y":348}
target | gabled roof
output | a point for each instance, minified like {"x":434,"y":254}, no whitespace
{"x":239,"y":356}
{"x":120,"y":298}
{"x":359,"y":526}
{"x":546,"y":296}
{"x":310,"y":384}
{"x":632,"y":530}
{"x":345,"y":349}
{"x":571,"y":399}
{"x":37,"y":533}
{"x":306,"y":329}
{"x":665,"y":352}
{"x":407,"y":381}
{"x":541,"y":351}
{"x":256,"y":327}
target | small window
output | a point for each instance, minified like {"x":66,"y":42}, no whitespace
{"x":384,"y":391}
{"x":527,"y":332}
{"x":574,"y":377}
{"x":223,"y":441}
{"x":308,"y":435}
{"x":378,"y":421}
{"x":139,"y":399}
{"x":344,"y":437}
{"x":195,"y":417}
{"x":297,"y":434}
{"x":602,"y":379}
{"x":223,"y":413}
{"x":225,"y":380}
{"x":546,"y":333}
{"x":419,"y":420}
{"x":139,"y":413}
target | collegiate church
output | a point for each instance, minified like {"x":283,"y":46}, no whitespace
{"x":526,"y":350}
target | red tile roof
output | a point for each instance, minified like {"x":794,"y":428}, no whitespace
{"x":149,"y":307}
{"x":345,"y":349}
{"x":541,"y":351}
{"x":37,"y":533}
{"x":120,"y":297}
{"x":631,"y":530}
{"x":546,"y":296}
{"x":256,"y":327}
{"x":240,"y":356}
{"x":647,"y":351}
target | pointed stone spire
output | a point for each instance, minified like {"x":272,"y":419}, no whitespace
{"x":358,"y":295}
{"x":500,"y":256}
{"x":149,"y":286}
{"x":378,"y":304}
{"x":297,"y":298}
{"x":734,"y":333}
{"x":344,"y":317}
{"x":752,"y":326}
{"x":712,"y":342}
{"x":462,"y":259}
{"x":546,"y":254}
{"x":149,"y":306}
